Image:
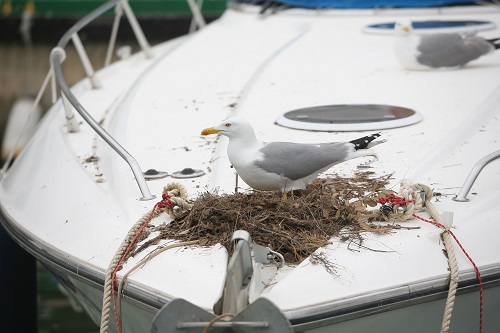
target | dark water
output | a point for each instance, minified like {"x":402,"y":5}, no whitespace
{"x":56,"y":313}
{"x":31,"y":301}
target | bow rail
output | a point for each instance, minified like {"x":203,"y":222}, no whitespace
{"x":70,"y":101}
{"x":57,"y":57}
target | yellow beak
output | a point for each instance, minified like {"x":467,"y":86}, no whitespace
{"x":406,"y":29}
{"x":210,"y":130}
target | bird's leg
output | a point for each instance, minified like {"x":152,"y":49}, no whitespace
{"x":236,"y":182}
{"x":284,"y":192}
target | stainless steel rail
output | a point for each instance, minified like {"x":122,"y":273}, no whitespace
{"x":476,"y":170}
{"x":57,"y":57}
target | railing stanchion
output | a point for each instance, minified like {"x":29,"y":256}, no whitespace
{"x":87,"y":66}
{"x":141,"y":39}
{"x":114,"y":33}
{"x":476,"y":170}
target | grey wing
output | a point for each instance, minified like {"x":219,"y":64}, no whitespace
{"x":296,"y":160}
{"x":450,"y":50}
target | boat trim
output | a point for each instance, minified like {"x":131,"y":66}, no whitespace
{"x":392,"y":303}
{"x":303,"y":319}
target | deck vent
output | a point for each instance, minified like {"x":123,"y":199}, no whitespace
{"x":154,"y":174}
{"x":349,"y":117}
{"x":188,"y":173}
{"x":433,"y":27}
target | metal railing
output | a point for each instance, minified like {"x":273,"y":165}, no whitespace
{"x":57,"y":57}
{"x":476,"y":170}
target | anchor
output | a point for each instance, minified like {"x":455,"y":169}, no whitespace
{"x":259,"y":316}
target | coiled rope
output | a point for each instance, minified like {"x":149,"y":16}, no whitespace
{"x":404,"y":207}
{"x":173,"y":203}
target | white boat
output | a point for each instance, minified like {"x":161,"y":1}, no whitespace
{"x":77,"y":188}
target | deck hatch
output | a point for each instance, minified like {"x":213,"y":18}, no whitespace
{"x":349,"y":117}
{"x":434,"y":26}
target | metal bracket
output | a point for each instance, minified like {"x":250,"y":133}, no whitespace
{"x":261,"y":316}
{"x":243,"y":283}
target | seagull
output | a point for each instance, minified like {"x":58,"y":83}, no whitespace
{"x":443,"y":50}
{"x":285,"y":166}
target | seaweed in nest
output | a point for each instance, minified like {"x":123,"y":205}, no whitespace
{"x":295,"y":227}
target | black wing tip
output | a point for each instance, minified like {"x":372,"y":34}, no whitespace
{"x":362,"y":143}
{"x":495,"y":42}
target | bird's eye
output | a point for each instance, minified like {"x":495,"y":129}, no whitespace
{"x":228,"y":125}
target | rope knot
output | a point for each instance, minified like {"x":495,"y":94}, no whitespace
{"x":175,"y":200}
{"x":391,"y":201}
{"x":412,"y":198}
{"x":166,"y":202}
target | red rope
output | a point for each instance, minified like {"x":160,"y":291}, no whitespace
{"x":396,"y":200}
{"x":393,"y":200}
{"x":478,"y":274}
{"x":164,"y":203}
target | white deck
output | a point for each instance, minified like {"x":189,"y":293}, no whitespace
{"x":258,"y":68}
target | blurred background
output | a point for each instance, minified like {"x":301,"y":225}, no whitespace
{"x":29,"y":29}
{"x":25,"y":44}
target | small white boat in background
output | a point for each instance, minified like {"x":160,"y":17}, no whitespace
{"x":22,"y":119}
{"x":303,"y":71}
{"x":26,"y":112}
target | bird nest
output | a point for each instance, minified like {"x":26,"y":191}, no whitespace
{"x":295,"y":227}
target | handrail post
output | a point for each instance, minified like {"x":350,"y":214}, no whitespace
{"x":114,"y":33}
{"x":462,"y":194}
{"x":71,"y":122}
{"x":87,"y":66}
{"x":198,"y":21}
{"x":139,"y":34}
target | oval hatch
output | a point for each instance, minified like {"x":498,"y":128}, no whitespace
{"x":349,"y":117}
{"x":433,"y":26}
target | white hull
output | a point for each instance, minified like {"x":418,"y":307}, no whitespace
{"x":70,"y":200}
{"x":413,"y":315}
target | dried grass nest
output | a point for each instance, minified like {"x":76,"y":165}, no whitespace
{"x":295,"y":227}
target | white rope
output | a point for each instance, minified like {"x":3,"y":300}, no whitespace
{"x":410,"y":191}
{"x":106,"y":301}
{"x":178,"y":195}
{"x":452,"y":263}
